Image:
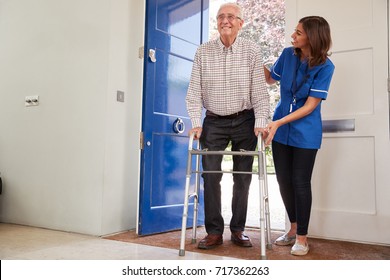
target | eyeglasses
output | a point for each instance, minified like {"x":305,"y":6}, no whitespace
{"x":230,"y":18}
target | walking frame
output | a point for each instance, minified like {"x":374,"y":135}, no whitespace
{"x":265,"y":230}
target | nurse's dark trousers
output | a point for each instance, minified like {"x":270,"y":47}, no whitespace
{"x":294,"y":168}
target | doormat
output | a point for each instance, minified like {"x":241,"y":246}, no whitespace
{"x":320,"y":249}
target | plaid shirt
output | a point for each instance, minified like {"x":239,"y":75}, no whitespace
{"x":228,"y":80}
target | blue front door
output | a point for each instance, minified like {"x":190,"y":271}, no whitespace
{"x":174,"y":29}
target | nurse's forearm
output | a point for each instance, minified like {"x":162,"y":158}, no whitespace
{"x":310,"y":104}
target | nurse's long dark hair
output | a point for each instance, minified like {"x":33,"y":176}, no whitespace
{"x":318,"y":33}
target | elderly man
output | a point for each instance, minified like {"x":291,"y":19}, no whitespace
{"x":228,"y":81}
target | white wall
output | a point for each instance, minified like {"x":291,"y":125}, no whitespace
{"x":72,"y":162}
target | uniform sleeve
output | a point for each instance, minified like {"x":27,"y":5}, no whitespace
{"x":321,"y":82}
{"x":194,"y":93}
{"x":259,"y":92}
{"x":277,"y":69}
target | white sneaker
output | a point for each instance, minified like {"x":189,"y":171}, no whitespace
{"x":285,"y":240}
{"x":299,"y":249}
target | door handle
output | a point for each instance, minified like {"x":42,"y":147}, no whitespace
{"x":178,"y":126}
{"x":152,"y":55}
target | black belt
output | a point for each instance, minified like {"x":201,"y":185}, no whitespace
{"x":232,"y":116}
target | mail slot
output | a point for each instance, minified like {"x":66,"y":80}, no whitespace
{"x":334,"y":126}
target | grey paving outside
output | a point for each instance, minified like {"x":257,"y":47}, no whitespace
{"x":277,"y":212}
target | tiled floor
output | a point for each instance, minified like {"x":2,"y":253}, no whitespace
{"x":35,"y":253}
{"x":30,"y":243}
{"x":77,"y":256}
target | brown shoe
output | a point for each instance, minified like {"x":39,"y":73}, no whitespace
{"x":210,"y":241}
{"x":239,"y":238}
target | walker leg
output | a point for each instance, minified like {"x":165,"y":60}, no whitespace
{"x":267,"y":217}
{"x":266,"y":202}
{"x":186,"y":198}
{"x":196,"y":198}
{"x":262,"y":215}
{"x":195,"y":218}
{"x":184,"y":218}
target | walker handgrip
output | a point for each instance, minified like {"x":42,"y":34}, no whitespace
{"x":260,"y":142}
{"x":191,"y":141}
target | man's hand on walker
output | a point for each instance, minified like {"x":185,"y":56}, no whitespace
{"x":262,"y":131}
{"x":197,"y":131}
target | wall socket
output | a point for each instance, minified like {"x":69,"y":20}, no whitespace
{"x":120,"y":96}
{"x":32,"y":100}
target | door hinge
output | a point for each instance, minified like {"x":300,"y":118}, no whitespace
{"x":141,"y":140}
{"x":141,"y":52}
{"x":388,"y":85}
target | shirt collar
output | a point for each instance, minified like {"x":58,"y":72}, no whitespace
{"x":233,"y":47}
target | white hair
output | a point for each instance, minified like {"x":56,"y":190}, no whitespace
{"x":231,"y":4}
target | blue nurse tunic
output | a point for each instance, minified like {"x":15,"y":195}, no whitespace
{"x":307,"y":131}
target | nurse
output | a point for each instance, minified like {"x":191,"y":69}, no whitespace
{"x":305,"y":72}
